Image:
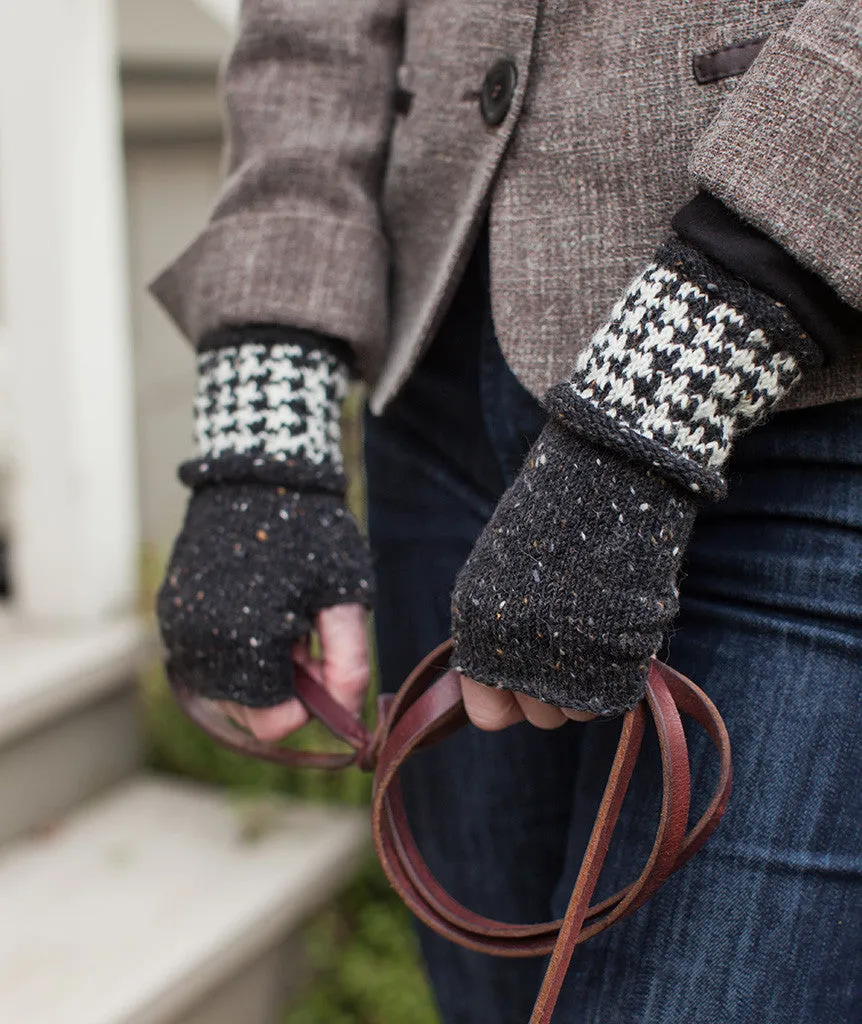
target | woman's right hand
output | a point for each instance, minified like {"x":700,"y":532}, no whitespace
{"x":268,"y":552}
{"x":255,"y":569}
{"x":342,"y":668}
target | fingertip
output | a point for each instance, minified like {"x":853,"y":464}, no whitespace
{"x":272,"y":724}
{"x":540,"y":714}
{"x":579,"y":716}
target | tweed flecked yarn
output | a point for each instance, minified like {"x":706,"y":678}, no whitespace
{"x":252,"y":565}
{"x":573,"y":583}
{"x":267,"y":541}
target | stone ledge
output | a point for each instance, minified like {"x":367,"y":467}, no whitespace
{"x":48,"y":672}
{"x":137,"y":908}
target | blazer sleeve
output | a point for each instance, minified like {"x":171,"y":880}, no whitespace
{"x":295,"y":236}
{"x":784,"y":151}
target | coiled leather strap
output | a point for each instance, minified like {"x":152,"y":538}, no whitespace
{"x":428,"y":707}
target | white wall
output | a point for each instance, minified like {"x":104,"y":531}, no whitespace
{"x":170,"y":52}
{"x":63,"y":303}
{"x":170,"y":187}
{"x":171,"y":33}
{"x":5,"y":431}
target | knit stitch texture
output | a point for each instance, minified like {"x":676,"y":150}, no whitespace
{"x":252,"y":565}
{"x":267,"y":541}
{"x":268,"y":408}
{"x":573,"y":583}
{"x":690,"y":358}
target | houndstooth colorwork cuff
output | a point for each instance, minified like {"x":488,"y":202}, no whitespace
{"x":690,"y":358}
{"x":270,"y":412}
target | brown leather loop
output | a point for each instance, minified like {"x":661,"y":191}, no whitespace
{"x":427,"y":708}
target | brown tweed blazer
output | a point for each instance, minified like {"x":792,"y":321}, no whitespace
{"x":359,"y":163}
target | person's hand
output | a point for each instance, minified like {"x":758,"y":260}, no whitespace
{"x":255,"y":569}
{"x":268,"y":552}
{"x":342,"y":668}
{"x":568,"y":591}
{"x":494,"y":709}
{"x":573,"y":584}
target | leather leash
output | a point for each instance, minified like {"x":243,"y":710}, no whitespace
{"x":427,"y":708}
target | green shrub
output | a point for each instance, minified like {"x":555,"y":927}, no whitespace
{"x":365,"y":963}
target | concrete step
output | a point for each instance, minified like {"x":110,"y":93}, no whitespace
{"x":68,"y":716}
{"x":159,"y":904}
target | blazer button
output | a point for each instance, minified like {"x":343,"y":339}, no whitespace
{"x":497,"y":91}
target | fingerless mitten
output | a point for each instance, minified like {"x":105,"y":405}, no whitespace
{"x":573,"y":583}
{"x":267,"y":541}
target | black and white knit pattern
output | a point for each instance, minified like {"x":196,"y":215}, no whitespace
{"x":680,"y":365}
{"x":275,"y":402}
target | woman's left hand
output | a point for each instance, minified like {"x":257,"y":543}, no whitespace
{"x":492,"y":709}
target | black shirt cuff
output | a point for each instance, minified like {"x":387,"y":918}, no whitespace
{"x":833,"y":325}
{"x":276,"y":334}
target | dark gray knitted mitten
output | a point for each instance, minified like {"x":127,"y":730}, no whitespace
{"x":573,"y":583}
{"x":267,"y":541}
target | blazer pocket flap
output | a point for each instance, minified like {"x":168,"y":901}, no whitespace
{"x":733,"y":59}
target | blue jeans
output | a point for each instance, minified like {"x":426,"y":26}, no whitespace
{"x":765,"y":924}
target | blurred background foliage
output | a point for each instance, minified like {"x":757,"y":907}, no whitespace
{"x":363,"y":953}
